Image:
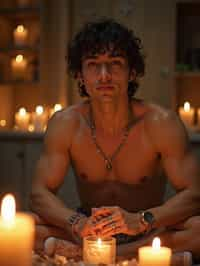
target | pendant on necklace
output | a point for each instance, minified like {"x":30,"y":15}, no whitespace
{"x":108,"y":165}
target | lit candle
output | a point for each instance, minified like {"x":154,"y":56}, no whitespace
{"x":20,"y":35}
{"x":16,"y":235}
{"x":18,"y":65}
{"x":198,"y":118}
{"x":22,"y":118}
{"x":96,"y":251}
{"x":186,"y":114}
{"x":3,"y":124}
{"x":155,"y":255}
{"x":57,"y":107}
{"x":39,"y":118}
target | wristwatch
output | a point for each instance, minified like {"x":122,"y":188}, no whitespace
{"x":147,"y":219}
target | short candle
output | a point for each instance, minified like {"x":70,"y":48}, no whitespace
{"x":186,"y":114}
{"x":20,"y":35}
{"x":154,"y":255}
{"x":16,"y":235}
{"x":96,"y":251}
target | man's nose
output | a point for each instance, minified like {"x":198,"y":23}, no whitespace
{"x":104,"y":72}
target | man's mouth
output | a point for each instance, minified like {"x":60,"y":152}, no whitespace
{"x":105,"y":88}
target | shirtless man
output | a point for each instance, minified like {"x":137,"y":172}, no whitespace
{"x":119,"y":147}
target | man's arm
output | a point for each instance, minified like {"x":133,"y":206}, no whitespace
{"x":51,"y":169}
{"x":169,"y":139}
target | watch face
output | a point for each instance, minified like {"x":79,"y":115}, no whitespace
{"x":148,"y":217}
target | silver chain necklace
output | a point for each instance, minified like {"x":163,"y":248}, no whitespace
{"x":108,"y":160}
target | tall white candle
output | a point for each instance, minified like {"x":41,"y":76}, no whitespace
{"x":20,"y":35}
{"x":186,"y":114}
{"x":96,"y":251}
{"x":22,"y":118}
{"x":18,"y":65}
{"x":155,"y":255}
{"x":16,"y":235}
{"x":39,"y":118}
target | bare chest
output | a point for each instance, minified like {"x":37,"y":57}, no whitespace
{"x":131,"y":160}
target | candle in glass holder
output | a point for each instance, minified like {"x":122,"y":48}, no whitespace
{"x":155,"y":255}
{"x":96,"y":251}
{"x":39,"y":119}
{"x":18,"y":65}
{"x":186,"y":114}
{"x":16,"y":235}
{"x":20,"y":35}
{"x":22,"y":118}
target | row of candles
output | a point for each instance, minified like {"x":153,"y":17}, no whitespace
{"x":35,"y":121}
{"x":187,"y":115}
{"x":17,"y":238}
{"x":19,"y":62}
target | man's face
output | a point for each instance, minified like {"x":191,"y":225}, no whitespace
{"x":106,"y":76}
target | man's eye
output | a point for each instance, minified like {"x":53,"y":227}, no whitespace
{"x":116,"y":63}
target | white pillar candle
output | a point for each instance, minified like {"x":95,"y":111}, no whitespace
{"x":155,"y":255}
{"x":16,"y":235}
{"x":22,"y":118}
{"x":57,"y":107}
{"x":20,"y":35}
{"x":39,"y":118}
{"x":186,"y":114}
{"x":18,"y":67}
{"x":99,"y":251}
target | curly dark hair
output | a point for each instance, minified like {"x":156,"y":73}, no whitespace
{"x":105,"y":35}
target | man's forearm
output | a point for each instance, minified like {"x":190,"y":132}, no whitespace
{"x":181,"y":206}
{"x":51,"y":209}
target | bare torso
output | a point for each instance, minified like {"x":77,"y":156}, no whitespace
{"x":136,"y":180}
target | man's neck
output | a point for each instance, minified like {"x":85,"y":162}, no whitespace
{"x":110,"y":118}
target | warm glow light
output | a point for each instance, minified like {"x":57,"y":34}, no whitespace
{"x":31,"y":128}
{"x":22,"y":111}
{"x":57,"y":107}
{"x":99,"y":241}
{"x":186,"y":107}
{"x":8,"y":208}
{"x":156,"y":243}
{"x":20,"y":28}
{"x":19,"y":58}
{"x":3,"y":123}
{"x":39,"y":109}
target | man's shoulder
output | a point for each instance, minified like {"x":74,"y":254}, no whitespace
{"x":70,"y":115}
{"x":157,"y":116}
{"x":164,"y":126}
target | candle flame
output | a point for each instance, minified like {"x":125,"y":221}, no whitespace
{"x":99,"y":241}
{"x":22,"y":111}
{"x":8,"y":208}
{"x":39,"y":109}
{"x":19,"y":58}
{"x":20,"y":28}
{"x":57,"y":107}
{"x":156,"y":243}
{"x":186,"y":107}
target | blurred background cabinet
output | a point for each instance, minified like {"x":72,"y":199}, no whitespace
{"x":187,"y":53}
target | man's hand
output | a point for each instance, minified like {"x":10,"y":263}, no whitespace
{"x":114,"y":220}
{"x":84,"y":227}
